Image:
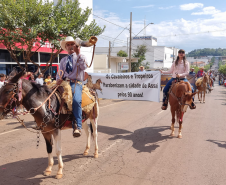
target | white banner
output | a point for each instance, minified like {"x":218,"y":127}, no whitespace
{"x":128,"y":86}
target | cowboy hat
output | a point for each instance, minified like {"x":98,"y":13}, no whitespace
{"x":69,"y":39}
{"x":141,"y":67}
{"x":201,"y":67}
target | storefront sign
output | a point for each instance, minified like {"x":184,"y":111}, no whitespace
{"x":129,"y":86}
{"x":158,"y":60}
{"x":124,"y":66}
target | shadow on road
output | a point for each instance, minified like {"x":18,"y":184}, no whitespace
{"x":144,"y":140}
{"x":25,"y":171}
{"x":221,"y":144}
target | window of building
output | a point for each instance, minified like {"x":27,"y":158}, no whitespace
{"x":5,"y":56}
{"x":62,"y":56}
{"x":45,"y":57}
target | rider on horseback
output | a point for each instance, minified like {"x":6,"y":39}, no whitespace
{"x":180,"y":68}
{"x":73,"y":67}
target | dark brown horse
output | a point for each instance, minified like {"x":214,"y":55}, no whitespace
{"x":180,"y":97}
{"x":34,"y":95}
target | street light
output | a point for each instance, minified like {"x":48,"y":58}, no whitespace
{"x":143,"y":28}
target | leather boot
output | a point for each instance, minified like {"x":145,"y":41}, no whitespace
{"x":165,"y":104}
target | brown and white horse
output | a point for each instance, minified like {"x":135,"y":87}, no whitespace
{"x":180,"y":98}
{"x":32,"y":96}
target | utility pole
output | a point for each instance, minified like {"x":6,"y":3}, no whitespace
{"x":109,"y":56}
{"x":130,"y":42}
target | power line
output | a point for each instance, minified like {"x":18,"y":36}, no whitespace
{"x":110,"y":22}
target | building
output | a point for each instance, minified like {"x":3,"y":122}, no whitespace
{"x":200,"y":62}
{"x":43,"y":55}
{"x":156,"y":56}
{"x":117,"y":64}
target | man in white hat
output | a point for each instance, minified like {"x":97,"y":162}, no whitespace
{"x":73,"y":67}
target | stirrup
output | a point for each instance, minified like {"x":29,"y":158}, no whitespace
{"x":193,"y":106}
{"x":164,"y":106}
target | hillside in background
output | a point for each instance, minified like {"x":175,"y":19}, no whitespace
{"x":207,"y":52}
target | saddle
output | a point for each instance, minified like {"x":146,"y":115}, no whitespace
{"x":199,"y":82}
{"x":64,"y":96}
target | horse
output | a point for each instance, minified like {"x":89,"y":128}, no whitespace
{"x":96,"y":86}
{"x":180,"y":97}
{"x":89,"y":83}
{"x":50,"y":125}
{"x":202,"y":88}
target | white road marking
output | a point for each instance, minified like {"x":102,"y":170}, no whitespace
{"x":160,"y":112}
{"x":9,"y":131}
{"x":112,"y":104}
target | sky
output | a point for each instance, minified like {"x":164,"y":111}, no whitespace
{"x":176,"y":23}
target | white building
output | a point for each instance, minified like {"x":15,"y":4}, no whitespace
{"x":157,"y":56}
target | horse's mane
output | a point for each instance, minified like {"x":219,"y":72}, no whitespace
{"x":187,"y":84}
{"x":41,"y":88}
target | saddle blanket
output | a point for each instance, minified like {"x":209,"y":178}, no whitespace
{"x":88,"y":100}
{"x":199,"y":82}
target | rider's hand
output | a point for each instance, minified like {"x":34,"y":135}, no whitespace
{"x":178,"y":76}
{"x":160,"y":71}
{"x":59,"y":81}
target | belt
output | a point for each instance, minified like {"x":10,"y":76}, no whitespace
{"x":75,"y":81}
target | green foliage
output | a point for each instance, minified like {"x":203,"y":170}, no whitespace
{"x":207,"y":52}
{"x":207,"y":67}
{"x":140,"y":53}
{"x":122,"y":54}
{"x":222,"y":69}
{"x":146,"y":65}
{"x":196,"y":69}
{"x":23,"y":21}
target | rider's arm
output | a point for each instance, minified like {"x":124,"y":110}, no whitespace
{"x":60,"y":68}
{"x":82,"y":62}
{"x":170,"y":71}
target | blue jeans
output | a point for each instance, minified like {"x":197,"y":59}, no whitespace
{"x":77,"y":103}
{"x":168,"y":85}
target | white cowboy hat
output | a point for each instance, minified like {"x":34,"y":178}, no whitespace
{"x":77,"y":41}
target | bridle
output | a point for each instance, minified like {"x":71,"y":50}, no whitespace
{"x":8,"y":105}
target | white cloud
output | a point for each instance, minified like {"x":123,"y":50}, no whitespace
{"x":166,"y":8}
{"x":207,"y":11}
{"x":191,"y":6}
{"x":146,"y":6}
{"x":180,"y":33}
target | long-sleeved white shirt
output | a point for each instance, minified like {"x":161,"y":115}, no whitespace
{"x":181,"y":69}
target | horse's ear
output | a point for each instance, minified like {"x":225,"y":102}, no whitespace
{"x":18,"y":76}
{"x":193,"y":94}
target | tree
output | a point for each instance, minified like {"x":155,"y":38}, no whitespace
{"x":122,"y":54}
{"x":146,"y":65}
{"x":139,"y":53}
{"x":207,"y":52}
{"x":25,"y":25}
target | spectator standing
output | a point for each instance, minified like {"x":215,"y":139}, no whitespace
{"x":141,"y":69}
{"x":39,"y":79}
{"x":2,"y":79}
{"x":48,"y":80}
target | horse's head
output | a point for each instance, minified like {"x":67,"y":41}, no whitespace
{"x":8,"y":95}
{"x":187,"y":100}
{"x":99,"y":81}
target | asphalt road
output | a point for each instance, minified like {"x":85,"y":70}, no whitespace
{"x":135,"y":147}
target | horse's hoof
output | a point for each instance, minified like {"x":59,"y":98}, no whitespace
{"x":172,"y":135}
{"x":95,"y":155}
{"x":47,"y":173}
{"x":59,"y":176}
{"x":85,"y":153}
{"x":179,"y":136}
{"x":204,"y":102}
